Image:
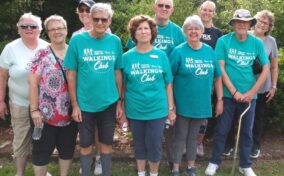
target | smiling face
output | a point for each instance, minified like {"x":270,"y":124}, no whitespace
{"x":101,"y":22}
{"x":84,"y":14}
{"x":28,"y":29}
{"x":262,"y":25}
{"x":193,"y":33}
{"x":241,"y":27}
{"x":163,"y":9}
{"x":143,"y":33}
{"x":56,"y":31}
{"x":206,"y":12}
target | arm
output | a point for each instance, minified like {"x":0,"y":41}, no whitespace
{"x":248,"y":96}
{"x":171,"y":105}
{"x":71,"y":77}
{"x":3,"y":83}
{"x":274,"y":77}
{"x":119,"y":107}
{"x":219,"y":93}
{"x":34,"y":81}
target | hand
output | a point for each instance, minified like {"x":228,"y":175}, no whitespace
{"x":76,"y":114}
{"x":119,"y":113}
{"x":248,"y":96}
{"x":219,"y":108}
{"x":37,"y":118}
{"x":3,"y":110}
{"x":172,"y":117}
{"x":270,"y":95}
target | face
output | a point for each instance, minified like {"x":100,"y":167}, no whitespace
{"x":262,"y":25}
{"x":193,"y":33}
{"x":241,"y":27}
{"x":143,"y":33}
{"x":56,"y":32}
{"x":28,"y":29}
{"x":206,"y":13}
{"x":163,"y":9}
{"x":101,"y":21}
{"x":84,"y":14}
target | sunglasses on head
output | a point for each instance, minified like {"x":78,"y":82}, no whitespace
{"x":164,"y":5}
{"x":82,"y":10}
{"x":31,"y":26}
{"x":103,"y":20}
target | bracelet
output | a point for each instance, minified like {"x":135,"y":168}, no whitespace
{"x":235,"y":93}
{"x":171,"y":108}
{"x":274,"y":87}
{"x":219,"y":98}
{"x":120,"y":99}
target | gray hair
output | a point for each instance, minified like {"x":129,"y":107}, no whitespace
{"x":32,"y":17}
{"x":194,"y":21}
{"x":172,"y":1}
{"x":54,"y":18}
{"x":269,"y":15}
{"x":102,"y":7}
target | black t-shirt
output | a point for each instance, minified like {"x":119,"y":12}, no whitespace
{"x":211,"y":35}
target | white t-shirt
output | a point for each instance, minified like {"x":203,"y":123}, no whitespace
{"x":15,"y":58}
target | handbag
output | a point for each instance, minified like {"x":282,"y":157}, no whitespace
{"x":65,"y":78}
{"x":256,"y":66}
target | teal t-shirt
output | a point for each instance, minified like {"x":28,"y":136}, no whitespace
{"x":194,"y":72}
{"x":168,"y":37}
{"x":145,"y":76}
{"x":95,"y":61}
{"x":239,"y":57}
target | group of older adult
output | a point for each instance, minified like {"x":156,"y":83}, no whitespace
{"x":167,"y":75}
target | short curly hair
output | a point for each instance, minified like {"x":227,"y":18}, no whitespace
{"x":269,"y":15}
{"x":136,"y":21}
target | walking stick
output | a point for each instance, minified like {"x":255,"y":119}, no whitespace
{"x":237,"y":141}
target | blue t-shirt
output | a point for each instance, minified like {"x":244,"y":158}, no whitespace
{"x":95,"y":61}
{"x":168,"y":37}
{"x":239,"y":57}
{"x":194,"y":72}
{"x":145,"y":76}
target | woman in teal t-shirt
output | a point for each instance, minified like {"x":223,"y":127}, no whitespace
{"x":147,"y":80}
{"x":195,"y":69}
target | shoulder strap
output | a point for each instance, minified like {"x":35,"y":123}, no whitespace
{"x":57,"y":60}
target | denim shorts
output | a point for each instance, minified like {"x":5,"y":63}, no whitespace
{"x":104,"y":121}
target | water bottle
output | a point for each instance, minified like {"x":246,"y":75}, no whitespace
{"x":167,"y":124}
{"x":37,"y":132}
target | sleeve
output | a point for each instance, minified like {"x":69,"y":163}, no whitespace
{"x":182,"y":37}
{"x":262,"y":53}
{"x":217,"y":70}
{"x":168,"y":77}
{"x":71,"y":57}
{"x":220,"y":49}
{"x":174,"y":61}
{"x":124,"y":76}
{"x":5,"y":58}
{"x":37,"y":64}
{"x":130,"y":44}
{"x":119,"y":56}
{"x":274,"y":51}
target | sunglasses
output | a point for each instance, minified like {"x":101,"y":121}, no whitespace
{"x":82,"y":10}
{"x":31,"y":26}
{"x":164,"y":5}
{"x":103,"y":20}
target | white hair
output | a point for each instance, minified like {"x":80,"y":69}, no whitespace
{"x":32,"y":17}
{"x":54,"y":18}
{"x":102,"y":7}
{"x":194,"y":21}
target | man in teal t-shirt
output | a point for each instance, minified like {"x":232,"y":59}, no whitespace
{"x":170,"y":34}
{"x":94,"y":82}
{"x":236,"y":52}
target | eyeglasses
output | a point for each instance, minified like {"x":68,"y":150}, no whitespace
{"x":56,"y":29}
{"x":28,"y":26}
{"x":82,"y":10}
{"x":263,"y":22}
{"x":164,"y":5}
{"x":103,"y":20}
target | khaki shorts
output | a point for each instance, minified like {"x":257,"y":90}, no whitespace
{"x":21,"y":125}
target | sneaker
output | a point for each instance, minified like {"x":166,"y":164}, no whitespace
{"x":247,"y":171}
{"x":48,"y":174}
{"x":200,"y":150}
{"x":174,"y":173}
{"x":255,"y":153}
{"x":211,"y":169}
{"x":98,"y":167}
{"x":191,"y":171}
{"x":228,"y":152}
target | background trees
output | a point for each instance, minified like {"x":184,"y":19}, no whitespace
{"x":125,"y":9}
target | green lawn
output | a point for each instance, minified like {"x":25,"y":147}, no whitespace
{"x":127,"y":168}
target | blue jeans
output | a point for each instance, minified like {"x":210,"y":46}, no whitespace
{"x":233,"y":109}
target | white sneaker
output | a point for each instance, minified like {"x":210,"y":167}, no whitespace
{"x":98,"y":167}
{"x":247,"y":171}
{"x":48,"y":174}
{"x":211,"y":169}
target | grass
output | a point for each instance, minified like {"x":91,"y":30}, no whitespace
{"x":128,"y":168}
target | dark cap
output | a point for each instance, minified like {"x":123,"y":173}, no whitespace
{"x":243,"y":15}
{"x":88,"y":3}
